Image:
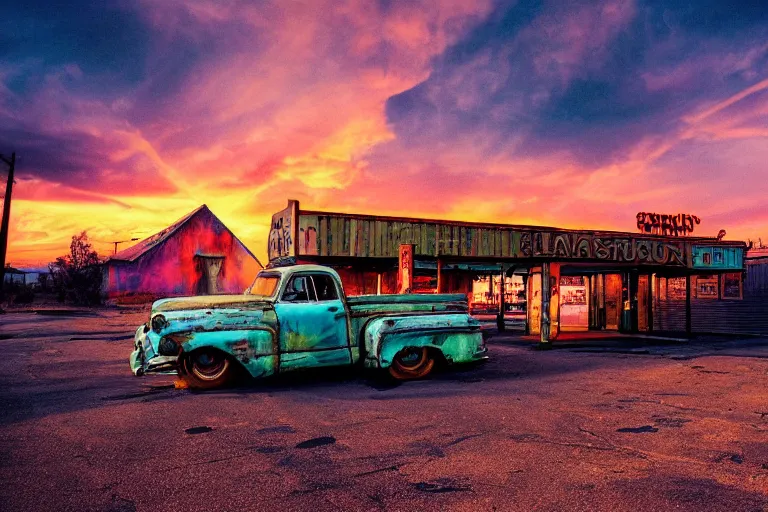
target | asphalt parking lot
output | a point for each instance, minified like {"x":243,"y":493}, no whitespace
{"x":682,"y":427}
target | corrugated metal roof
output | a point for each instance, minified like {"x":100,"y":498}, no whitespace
{"x":136,"y":251}
{"x":757,"y":253}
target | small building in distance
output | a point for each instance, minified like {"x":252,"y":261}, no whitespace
{"x":14,"y":275}
{"x":37,"y":277}
{"x":196,"y":255}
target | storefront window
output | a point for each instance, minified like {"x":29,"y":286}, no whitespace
{"x":573,"y":290}
{"x":676,"y":288}
{"x":574,"y":314}
{"x":732,"y":286}
{"x":707,"y":287}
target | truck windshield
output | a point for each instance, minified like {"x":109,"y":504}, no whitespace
{"x":264,"y":285}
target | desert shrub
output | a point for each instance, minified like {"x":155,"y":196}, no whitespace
{"x":24,"y":295}
{"x":77,"y":276}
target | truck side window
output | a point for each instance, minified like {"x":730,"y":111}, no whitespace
{"x":325,"y":287}
{"x":299,"y":289}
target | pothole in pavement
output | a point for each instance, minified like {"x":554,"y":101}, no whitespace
{"x":638,"y":430}
{"x":317,"y":441}
{"x":268,"y":449}
{"x":671,"y":422}
{"x":736,"y":458}
{"x":198,"y":430}
{"x":443,"y":485}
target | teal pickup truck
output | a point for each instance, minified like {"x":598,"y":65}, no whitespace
{"x":298,"y":317}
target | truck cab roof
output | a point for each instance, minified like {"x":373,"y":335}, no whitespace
{"x":294,"y":269}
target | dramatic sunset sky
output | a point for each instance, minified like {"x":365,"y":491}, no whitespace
{"x":127,"y":114}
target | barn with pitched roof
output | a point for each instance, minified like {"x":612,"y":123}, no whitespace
{"x":196,"y":255}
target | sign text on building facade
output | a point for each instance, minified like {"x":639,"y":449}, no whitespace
{"x":661,"y":224}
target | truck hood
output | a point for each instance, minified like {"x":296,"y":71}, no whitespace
{"x":243,"y":302}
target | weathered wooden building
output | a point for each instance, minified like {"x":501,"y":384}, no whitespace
{"x":196,"y":255}
{"x":574,"y":279}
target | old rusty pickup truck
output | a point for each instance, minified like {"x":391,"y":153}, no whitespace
{"x":298,"y":317}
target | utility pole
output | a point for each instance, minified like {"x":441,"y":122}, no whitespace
{"x":122,"y":242}
{"x":6,"y":217}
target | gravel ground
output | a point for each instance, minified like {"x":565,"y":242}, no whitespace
{"x":679,"y":427}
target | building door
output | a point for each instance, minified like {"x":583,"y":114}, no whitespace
{"x":534,"y":304}
{"x":596,"y":302}
{"x":642,"y":303}
{"x":209,"y":268}
{"x":612,"y":301}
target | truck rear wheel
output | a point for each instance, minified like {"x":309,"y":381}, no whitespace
{"x":206,"y":369}
{"x":412,"y":363}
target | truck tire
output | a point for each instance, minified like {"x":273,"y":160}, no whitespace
{"x":412,"y":363}
{"x":206,"y":369}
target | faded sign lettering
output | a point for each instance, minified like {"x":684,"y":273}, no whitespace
{"x":579,"y":246}
{"x":659,"y":224}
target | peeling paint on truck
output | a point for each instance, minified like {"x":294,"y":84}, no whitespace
{"x":286,"y":331}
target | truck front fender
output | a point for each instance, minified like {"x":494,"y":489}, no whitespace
{"x":456,"y":336}
{"x":254,"y":348}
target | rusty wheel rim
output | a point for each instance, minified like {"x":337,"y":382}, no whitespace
{"x":209,"y":365}
{"x":412,"y":359}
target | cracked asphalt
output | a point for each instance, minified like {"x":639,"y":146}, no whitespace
{"x":680,"y":427}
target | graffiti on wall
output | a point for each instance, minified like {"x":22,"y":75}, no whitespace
{"x":405,"y":269}
{"x":280,"y":242}
{"x":660,"y":224}
{"x":583,"y":246}
{"x":308,"y":240}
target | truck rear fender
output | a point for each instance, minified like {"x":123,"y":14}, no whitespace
{"x":456,"y":336}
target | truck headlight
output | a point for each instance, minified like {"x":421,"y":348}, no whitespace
{"x":159,"y":323}
{"x":168,"y":346}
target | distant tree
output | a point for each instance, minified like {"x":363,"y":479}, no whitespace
{"x":77,"y":276}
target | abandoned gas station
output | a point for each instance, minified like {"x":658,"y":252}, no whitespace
{"x":659,"y":279}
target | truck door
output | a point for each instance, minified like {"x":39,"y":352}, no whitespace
{"x":313,"y":323}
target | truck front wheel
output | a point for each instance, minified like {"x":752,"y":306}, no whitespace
{"x":412,"y":363}
{"x":206,"y":369}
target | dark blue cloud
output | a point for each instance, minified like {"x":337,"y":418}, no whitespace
{"x":101,"y":39}
{"x":418,"y":112}
{"x":707,"y":18}
{"x":605,"y":105}
{"x":507,"y":19}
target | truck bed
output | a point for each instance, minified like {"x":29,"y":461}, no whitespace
{"x":364,"y":307}
{"x":452,"y":309}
